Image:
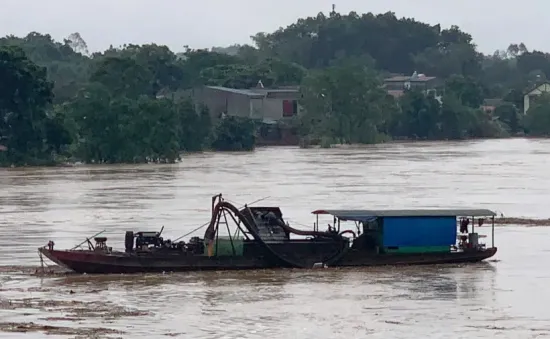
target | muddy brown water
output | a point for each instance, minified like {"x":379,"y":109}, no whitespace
{"x":505,"y":297}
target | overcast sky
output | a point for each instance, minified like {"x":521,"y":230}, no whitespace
{"x":494,"y":24}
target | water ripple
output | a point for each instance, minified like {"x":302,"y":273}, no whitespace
{"x":503,"y":298}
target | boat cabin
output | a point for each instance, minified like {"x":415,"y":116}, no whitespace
{"x":412,"y":231}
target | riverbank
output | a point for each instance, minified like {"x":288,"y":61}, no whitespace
{"x":319,"y":144}
{"x":60,"y":161}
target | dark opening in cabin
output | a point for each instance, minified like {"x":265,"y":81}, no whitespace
{"x":290,"y":108}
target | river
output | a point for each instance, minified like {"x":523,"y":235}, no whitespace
{"x":505,"y":297}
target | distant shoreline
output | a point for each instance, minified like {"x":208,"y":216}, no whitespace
{"x":66,"y":163}
{"x":520,"y":221}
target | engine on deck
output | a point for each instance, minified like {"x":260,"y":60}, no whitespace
{"x":150,"y":241}
{"x":268,"y":222}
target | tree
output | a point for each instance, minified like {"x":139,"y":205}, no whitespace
{"x":457,"y":119}
{"x":25,"y":93}
{"x":509,"y":115}
{"x":115,"y":105}
{"x":537,"y":119}
{"x":234,"y":134}
{"x":425,"y":117}
{"x":453,"y":58}
{"x":229,"y":50}
{"x":314,"y":42}
{"x":124,"y":75}
{"x":195,"y":61}
{"x":515,"y":50}
{"x":114,"y":128}
{"x":77,"y":43}
{"x":500,"y":75}
{"x":66,"y":68}
{"x":196,"y":129}
{"x":166,"y":69}
{"x":466,"y":89}
{"x":272,"y":72}
{"x":420,"y":116}
{"x":345,"y":103}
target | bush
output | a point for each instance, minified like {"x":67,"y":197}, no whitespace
{"x":234,"y":134}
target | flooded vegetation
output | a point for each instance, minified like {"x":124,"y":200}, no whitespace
{"x":503,"y":297}
{"x":522,"y":221}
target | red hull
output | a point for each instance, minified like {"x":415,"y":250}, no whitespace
{"x":119,"y":262}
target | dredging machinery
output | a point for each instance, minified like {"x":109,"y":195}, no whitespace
{"x":259,"y":238}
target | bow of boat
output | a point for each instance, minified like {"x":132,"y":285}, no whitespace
{"x":58,"y":257}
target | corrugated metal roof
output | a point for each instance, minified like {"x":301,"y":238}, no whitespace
{"x":365,"y":214}
{"x":276,"y":90}
{"x":254,"y":92}
{"x":246,"y":92}
{"x":402,"y":78}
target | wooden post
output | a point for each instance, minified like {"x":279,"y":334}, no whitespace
{"x":493,"y":232}
{"x":316,"y":229}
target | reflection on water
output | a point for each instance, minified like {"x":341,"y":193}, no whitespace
{"x":504,"y":297}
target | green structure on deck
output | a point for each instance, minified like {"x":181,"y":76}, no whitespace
{"x":225,"y":245}
{"x":418,"y":249}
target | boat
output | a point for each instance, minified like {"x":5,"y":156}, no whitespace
{"x":259,"y":238}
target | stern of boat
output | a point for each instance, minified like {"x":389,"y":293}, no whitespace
{"x":490,"y":252}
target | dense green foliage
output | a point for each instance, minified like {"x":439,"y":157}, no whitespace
{"x":132,"y":104}
{"x":122,"y":108}
{"x":345,"y":103}
{"x":538,"y":119}
{"x":24,"y":96}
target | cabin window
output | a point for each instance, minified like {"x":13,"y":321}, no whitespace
{"x":370,"y":225}
{"x":290,"y":108}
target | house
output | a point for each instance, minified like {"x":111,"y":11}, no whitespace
{"x":397,"y":85}
{"x":533,"y":93}
{"x":267,"y":105}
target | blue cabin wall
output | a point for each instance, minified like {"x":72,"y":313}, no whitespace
{"x":419,"y":231}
